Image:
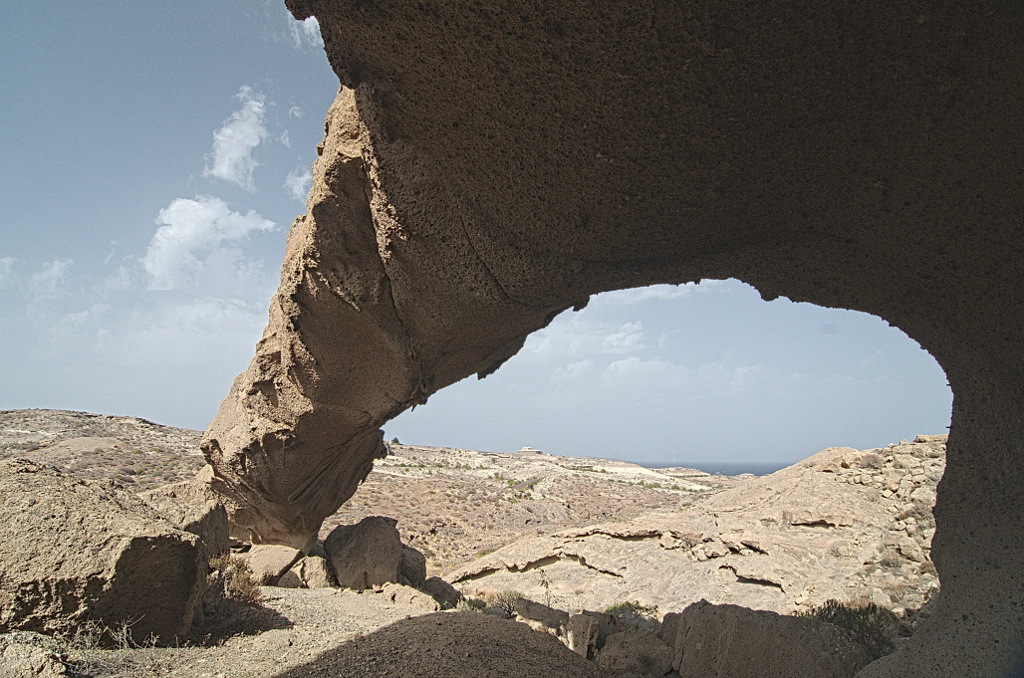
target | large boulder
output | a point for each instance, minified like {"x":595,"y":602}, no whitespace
{"x":636,"y":653}
{"x":728,"y":641}
{"x":75,"y":550}
{"x":366,"y":555}
{"x":311,"y":572}
{"x":268,"y":562}
{"x":194,"y":507}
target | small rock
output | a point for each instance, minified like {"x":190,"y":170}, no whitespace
{"x":269,"y":561}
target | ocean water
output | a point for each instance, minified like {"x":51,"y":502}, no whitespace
{"x":726,"y":468}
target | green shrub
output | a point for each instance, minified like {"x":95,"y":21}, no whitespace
{"x":869,"y":624}
{"x":470,"y":605}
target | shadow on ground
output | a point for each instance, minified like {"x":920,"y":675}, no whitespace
{"x":235,"y":618}
{"x":448,"y":645}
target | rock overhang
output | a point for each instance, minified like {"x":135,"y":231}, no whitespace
{"x":494,"y":164}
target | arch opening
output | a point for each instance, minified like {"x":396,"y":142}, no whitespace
{"x":703,"y":372}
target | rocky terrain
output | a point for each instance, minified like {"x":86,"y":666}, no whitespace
{"x":133,"y":451}
{"x":457,"y":505}
{"x":551,"y":541}
{"x":843,"y":524}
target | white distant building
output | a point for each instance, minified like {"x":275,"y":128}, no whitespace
{"x":528,"y":450}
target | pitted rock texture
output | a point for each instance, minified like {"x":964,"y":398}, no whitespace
{"x":75,"y":551}
{"x":727,"y":641}
{"x":490,"y":164}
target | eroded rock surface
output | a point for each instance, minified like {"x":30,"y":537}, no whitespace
{"x":829,"y":527}
{"x":489,"y":165}
{"x":78,"y":550}
{"x":728,"y":641}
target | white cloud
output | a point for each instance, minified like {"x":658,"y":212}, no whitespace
{"x":629,"y":339}
{"x":285,"y":139}
{"x":306,"y":31}
{"x":298,"y":183}
{"x":6,"y":271}
{"x":295,"y":112}
{"x":575,"y":370}
{"x":48,"y":282}
{"x":191,"y":239}
{"x":233,"y":144}
{"x":119,"y":282}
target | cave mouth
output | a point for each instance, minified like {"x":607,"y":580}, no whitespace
{"x":708,"y":372}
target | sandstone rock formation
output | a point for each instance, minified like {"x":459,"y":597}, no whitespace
{"x":842,"y":524}
{"x":311,"y":572}
{"x":728,"y":641}
{"x":269,"y":562}
{"x":489,"y":165}
{"x":193,"y":507}
{"x":78,"y":550}
{"x":371,"y":554}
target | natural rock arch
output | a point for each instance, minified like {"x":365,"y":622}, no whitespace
{"x":495,"y":163}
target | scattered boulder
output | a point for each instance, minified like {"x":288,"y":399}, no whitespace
{"x":637,"y":654}
{"x":728,"y":641}
{"x":311,"y":572}
{"x":194,"y":507}
{"x":582,"y":634}
{"x":366,"y":555}
{"x":406,"y":595}
{"x":444,"y":593}
{"x":78,"y":550}
{"x":412,"y":570}
{"x":268,"y":562}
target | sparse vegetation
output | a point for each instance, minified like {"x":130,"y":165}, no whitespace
{"x":872,"y":460}
{"x":467,"y":604}
{"x":634,"y":615}
{"x":506,"y":600}
{"x":870,"y":625}
{"x":239,"y":583}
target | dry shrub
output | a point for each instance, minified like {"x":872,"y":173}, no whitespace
{"x":872,"y":460}
{"x":870,"y":625}
{"x":634,"y":615}
{"x":239,"y":584}
{"x":505,"y":602}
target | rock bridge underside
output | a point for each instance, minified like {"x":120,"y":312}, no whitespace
{"x":489,"y":164}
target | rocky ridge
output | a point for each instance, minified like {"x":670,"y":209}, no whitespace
{"x":136,"y":452}
{"x":843,"y":524}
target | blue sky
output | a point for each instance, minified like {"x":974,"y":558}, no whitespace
{"x":152,"y":158}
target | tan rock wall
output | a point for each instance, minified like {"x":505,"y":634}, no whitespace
{"x":493,"y":164}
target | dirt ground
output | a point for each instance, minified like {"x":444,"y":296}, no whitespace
{"x":302,"y":633}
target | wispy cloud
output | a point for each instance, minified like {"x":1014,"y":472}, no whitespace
{"x":234,"y":143}
{"x":305,"y":32}
{"x":48,"y":282}
{"x":194,"y":238}
{"x":295,"y":112}
{"x":298,"y":183}
{"x":628,"y":339}
{"x":6,"y":271}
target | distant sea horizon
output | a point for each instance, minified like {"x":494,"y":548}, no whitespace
{"x":725,"y":468}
